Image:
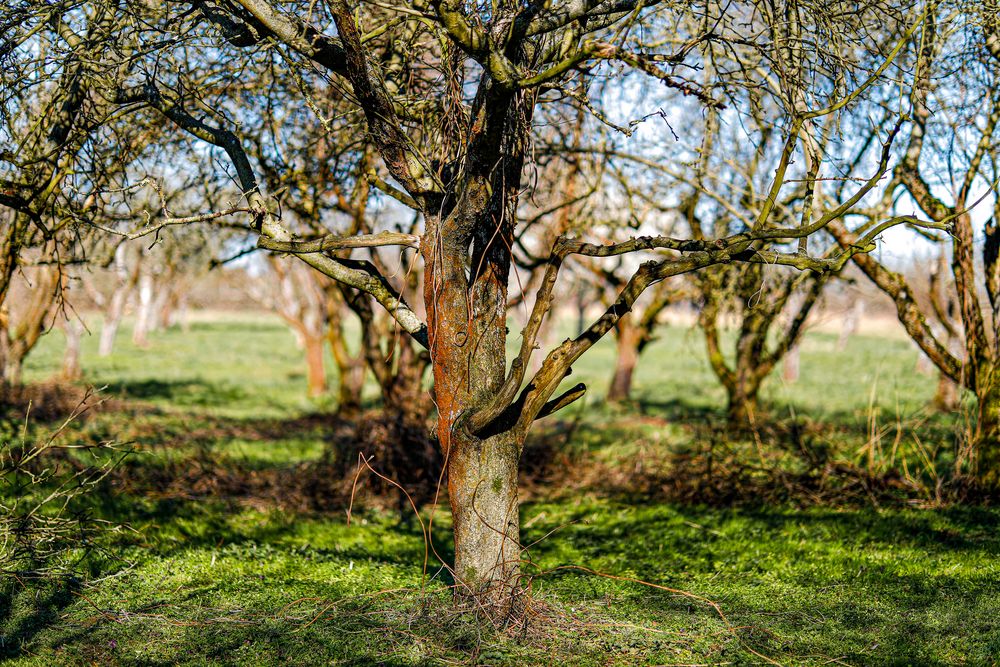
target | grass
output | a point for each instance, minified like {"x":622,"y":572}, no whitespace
{"x":223,"y":578}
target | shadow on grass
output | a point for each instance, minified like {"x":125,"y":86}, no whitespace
{"x":899,"y":587}
{"x":188,"y":392}
{"x":186,"y":631}
{"x":28,"y":607}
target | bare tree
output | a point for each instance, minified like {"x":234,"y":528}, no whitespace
{"x":35,"y":291}
{"x":967,"y":47}
{"x":448,"y":92}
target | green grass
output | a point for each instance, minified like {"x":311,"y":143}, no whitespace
{"x":224,"y":579}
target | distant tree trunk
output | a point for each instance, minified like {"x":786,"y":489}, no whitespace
{"x":946,"y":398}
{"x":182,"y":312}
{"x":71,"y":370}
{"x":749,"y":369}
{"x":166,"y":304}
{"x":144,"y":311}
{"x":114,"y":308}
{"x":350,"y":368}
{"x":404,"y":391}
{"x":627,"y":339}
{"x":742,"y":404}
{"x":924,"y":365}
{"x":948,"y":394}
{"x":850,"y":324}
{"x":352,"y":382}
{"x":790,"y":365}
{"x":18,"y":337}
{"x":315,"y":368}
{"x":581,"y":312}
{"x":112,"y":320}
{"x":399,"y":370}
{"x":350,"y":371}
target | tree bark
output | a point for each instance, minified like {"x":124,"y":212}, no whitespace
{"x":467,"y":332}
{"x":350,"y":368}
{"x":20,"y":331}
{"x":350,"y":374}
{"x":12,"y":369}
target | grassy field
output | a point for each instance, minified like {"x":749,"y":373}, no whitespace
{"x":655,"y":539}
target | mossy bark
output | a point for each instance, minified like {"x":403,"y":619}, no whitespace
{"x":482,"y":489}
{"x":742,"y":404}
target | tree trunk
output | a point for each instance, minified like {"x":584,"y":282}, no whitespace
{"x":315,"y":369}
{"x":465,"y":299}
{"x":182,"y":313}
{"x":71,"y":370}
{"x":166,"y":305}
{"x":627,"y":337}
{"x":351,"y":382}
{"x":741,"y":408}
{"x":350,"y":368}
{"x":467,"y":336}
{"x":482,"y":489}
{"x":10,"y":361}
{"x":948,"y":394}
{"x":12,"y":370}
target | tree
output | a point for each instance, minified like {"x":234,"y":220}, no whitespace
{"x":62,"y":145}
{"x":24,"y":317}
{"x":968,"y":108}
{"x":448,"y":93}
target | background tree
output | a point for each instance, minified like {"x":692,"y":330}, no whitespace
{"x":951,"y":132}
